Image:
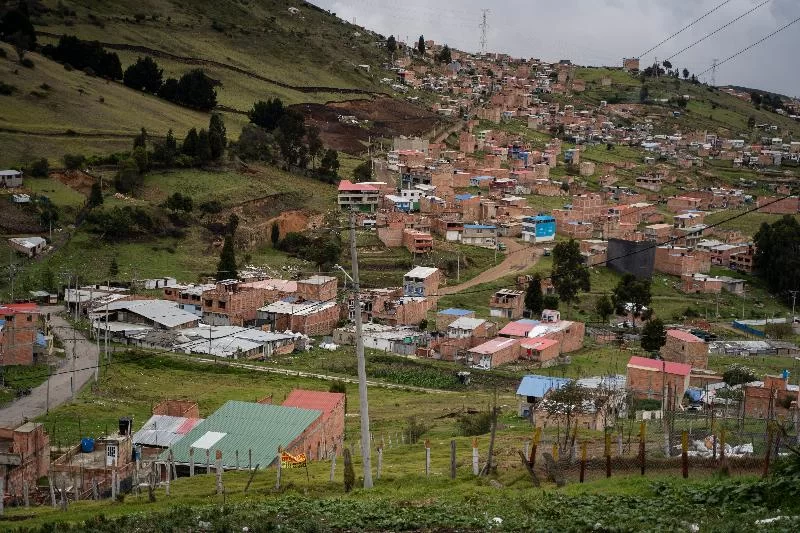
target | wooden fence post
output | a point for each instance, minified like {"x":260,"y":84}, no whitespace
{"x":76,"y":489}
{"x":583,"y":461}
{"x":95,"y":492}
{"x":452,"y":459}
{"x":113,"y":484}
{"x":249,"y":458}
{"x":526,"y":448}
{"x":168,"y":482}
{"x":685,"y":454}
{"x":191,"y":462}
{"x":237,"y":459}
{"x":250,"y":480}
{"x":475,"y":457}
{"x":607,"y":452}
{"x":427,"y":457}
{"x":278,"y":474}
{"x":52,"y":489}
{"x":218,"y":469}
{"x":723,"y":462}
{"x":642,"y":456}
{"x":537,"y":434}
{"x":333,"y":463}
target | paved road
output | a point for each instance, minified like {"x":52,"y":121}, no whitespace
{"x":518,"y":257}
{"x":60,"y":390}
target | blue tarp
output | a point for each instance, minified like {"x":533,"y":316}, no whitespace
{"x":538,"y":386}
{"x":695,"y":395}
{"x":455,"y":312}
{"x":41,"y":340}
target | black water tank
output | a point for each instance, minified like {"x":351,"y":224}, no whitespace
{"x":125,"y":425}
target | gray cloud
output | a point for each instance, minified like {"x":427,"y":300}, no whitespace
{"x":602,"y":32}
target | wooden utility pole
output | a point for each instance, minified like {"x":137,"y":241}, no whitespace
{"x":363,"y":404}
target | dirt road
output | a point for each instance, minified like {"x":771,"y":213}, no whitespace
{"x":518,"y":257}
{"x":86,"y":353}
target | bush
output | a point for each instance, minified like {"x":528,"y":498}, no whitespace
{"x":415,"y":428}
{"x":27,"y":63}
{"x":470,"y":425}
{"x":73,"y":161}
{"x":39,"y":168}
{"x":211,"y":207}
{"x":6,"y":89}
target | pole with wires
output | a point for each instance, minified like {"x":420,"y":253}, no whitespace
{"x":363,"y":404}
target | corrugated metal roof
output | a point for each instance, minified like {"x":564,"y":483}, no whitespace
{"x":538,"y":386}
{"x":164,"y":431}
{"x":162,"y":312}
{"x":247,"y":426}
{"x":312,"y":399}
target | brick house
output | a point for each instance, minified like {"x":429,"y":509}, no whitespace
{"x":658,"y":232}
{"x":677,"y":261}
{"x":359,"y":196}
{"x":743,"y":261}
{"x":308,"y":318}
{"x":188,"y":297}
{"x":19,"y":327}
{"x":683,"y":203}
{"x":770,"y":398}
{"x":647,"y":378}
{"x":234,"y":303}
{"x":403,"y":311}
{"x":447,"y":316}
{"x":705,"y":284}
{"x":417,"y":242}
{"x":494,"y":352}
{"x":540,"y":349}
{"x":25,"y":457}
{"x":421,"y":281}
{"x":683,"y":347}
{"x":330,"y":424}
{"x":317,"y":288}
{"x":786,"y":206}
{"x":507,"y":303}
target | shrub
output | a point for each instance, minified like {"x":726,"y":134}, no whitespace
{"x":415,"y":428}
{"x":470,"y":425}
{"x":3,"y":53}
{"x":27,"y":63}
{"x":211,"y":207}
{"x":73,"y":161}
{"x":6,"y":89}
{"x":39,"y":168}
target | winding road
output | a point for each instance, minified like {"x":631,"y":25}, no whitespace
{"x":60,"y":381}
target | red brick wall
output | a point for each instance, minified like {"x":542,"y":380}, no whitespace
{"x":650,"y":383}
{"x":319,"y":323}
{"x":680,"y":351}
{"x":17,"y":339}
{"x":324,"y":435}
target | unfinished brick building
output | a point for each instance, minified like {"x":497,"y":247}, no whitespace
{"x":770,"y":398}
{"x":649,"y":378}
{"x":683,"y":347}
{"x":24,"y":457}
{"x":18,"y":331}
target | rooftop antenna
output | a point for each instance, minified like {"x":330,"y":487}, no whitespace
{"x":484,"y":26}
{"x":714,"y":73}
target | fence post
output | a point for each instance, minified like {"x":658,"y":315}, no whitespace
{"x":113,"y":484}
{"x":527,"y":448}
{"x":642,"y":457}
{"x":583,"y":461}
{"x":537,"y":434}
{"x":278,"y":474}
{"x":95,"y":491}
{"x":607,"y":452}
{"x":169,"y":479}
{"x":555,"y":452}
{"x":75,"y":489}
{"x":768,"y":451}
{"x":250,"y":458}
{"x":52,"y":489}
{"x":723,"y":463}
{"x":208,"y":461}
{"x":2,"y":494}
{"x":25,"y":494}
{"x":685,"y":454}
{"x":380,"y":461}
{"x":218,"y":469}
{"x":475,"y":457}
{"x":191,"y":462}
{"x":427,"y":457}
{"x":333,"y":463}
{"x":237,"y":459}
{"x":452,"y":459}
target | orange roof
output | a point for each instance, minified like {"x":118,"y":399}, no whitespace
{"x":679,"y":369}
{"x":684,"y":336}
{"x":12,"y":309}
{"x":316,"y":400}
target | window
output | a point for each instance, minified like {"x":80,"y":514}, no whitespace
{"x":209,"y":303}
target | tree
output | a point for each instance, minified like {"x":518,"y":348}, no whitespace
{"x":654,"y":336}
{"x":179,"y":202}
{"x":255,"y":144}
{"x":128,"y":177}
{"x":751,"y":122}
{"x":275,"y":233}
{"x":166,"y":151}
{"x":667,"y":64}
{"x":291,"y":130}
{"x":550,"y":301}
{"x":73,"y":161}
{"x":217,"y":136}
{"x":569,"y":275}
{"x":40,"y":168}
{"x":644,"y":94}
{"x":534,"y":299}
{"x":267,"y":114}
{"x":363,"y":172}
{"x":144,"y":75}
{"x":421,"y":45}
{"x":755,"y":98}
{"x":391,"y":45}
{"x":16,"y":28}
{"x":195,"y":90}
{"x":142,"y":159}
{"x":226,"y":268}
{"x":140,"y":140}
{"x":631,"y":295}
{"x":314,"y":144}
{"x":96,"y":196}
{"x":445,"y":55}
{"x":604,"y":308}
{"x":203,"y":147}
{"x":113,"y":268}
{"x":738,"y":374}
{"x":329,"y":166}
{"x":777,"y":257}
{"x":325,"y":251}
{"x":685,"y":73}
{"x":564,"y":404}
{"x":189,"y":146}
{"x":233,"y":224}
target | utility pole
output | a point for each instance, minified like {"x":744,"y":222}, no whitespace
{"x":714,"y":73}
{"x":363,"y":404}
{"x":794,"y":300}
{"x":484,"y":26}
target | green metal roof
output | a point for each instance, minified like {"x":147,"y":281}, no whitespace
{"x":246,"y":426}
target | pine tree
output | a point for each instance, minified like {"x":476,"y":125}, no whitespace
{"x":226,"y":269}
{"x":654,"y":336}
{"x":113,"y":268}
{"x":569,"y":275}
{"x":203,"y":147}
{"x":217,"y":136}
{"x":96,"y":196}
{"x":190,"y":143}
{"x":421,"y":45}
{"x":534,"y":300}
{"x":604,"y":308}
{"x":275,"y":233}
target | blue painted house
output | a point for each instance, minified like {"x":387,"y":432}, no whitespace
{"x":539,"y":228}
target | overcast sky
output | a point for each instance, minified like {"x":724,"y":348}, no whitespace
{"x":602,"y":32}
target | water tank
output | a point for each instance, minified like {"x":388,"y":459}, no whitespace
{"x":87,"y":445}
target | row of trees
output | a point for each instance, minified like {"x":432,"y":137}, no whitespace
{"x":777,"y":257}
{"x":194,"y":89}
{"x":16,"y":28}
{"x":89,"y":56}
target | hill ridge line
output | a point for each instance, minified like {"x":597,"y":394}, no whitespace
{"x":210,"y":62}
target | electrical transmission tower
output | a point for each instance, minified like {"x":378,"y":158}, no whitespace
{"x":484,"y":26}
{"x":714,"y":73}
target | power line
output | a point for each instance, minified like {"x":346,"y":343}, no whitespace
{"x":682,"y":50}
{"x":745,"y":49}
{"x":684,"y":28}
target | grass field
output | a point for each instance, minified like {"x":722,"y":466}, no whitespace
{"x":58,"y":193}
